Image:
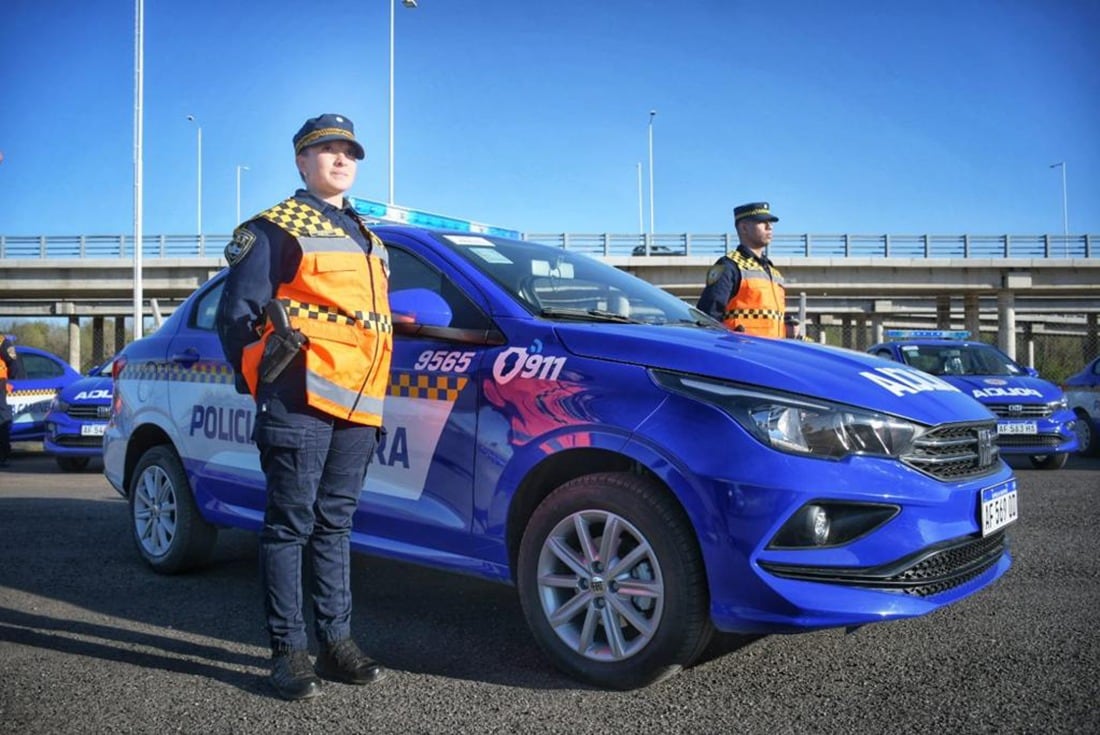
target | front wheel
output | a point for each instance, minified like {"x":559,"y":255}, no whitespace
{"x":612,"y":582}
{"x":1088,"y":444}
{"x":169,"y":532}
{"x":1049,"y":461}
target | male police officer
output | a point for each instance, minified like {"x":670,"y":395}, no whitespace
{"x":10,"y":369}
{"x":744,"y":288}
{"x":304,"y":319}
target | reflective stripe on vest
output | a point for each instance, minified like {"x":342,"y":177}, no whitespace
{"x":759,"y":304}
{"x":339,"y":299}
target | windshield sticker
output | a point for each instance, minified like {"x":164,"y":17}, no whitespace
{"x":491,"y":255}
{"x":469,"y":240}
{"x":904,"y":381}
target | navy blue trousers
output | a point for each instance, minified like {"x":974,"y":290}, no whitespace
{"x":315,"y":466}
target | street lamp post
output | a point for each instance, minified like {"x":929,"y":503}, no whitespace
{"x":652,"y":114}
{"x":393,"y":11}
{"x":239,"y":169}
{"x":1065,"y":207}
{"x":198,"y":175}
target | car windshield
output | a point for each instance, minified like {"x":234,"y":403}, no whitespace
{"x":557,"y":284}
{"x":962,"y":359}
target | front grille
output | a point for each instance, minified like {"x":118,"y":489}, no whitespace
{"x":1029,"y":440}
{"x":956,"y":451}
{"x":926,"y":573}
{"x":72,"y":440}
{"x":88,"y":412}
{"x":1020,"y":410}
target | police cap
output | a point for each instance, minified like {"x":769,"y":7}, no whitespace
{"x":754,"y":212}
{"x":324,"y":128}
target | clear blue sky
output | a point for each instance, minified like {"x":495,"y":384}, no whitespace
{"x":854,"y":116}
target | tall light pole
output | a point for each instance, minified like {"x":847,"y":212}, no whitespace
{"x":139,"y":135}
{"x":393,"y":12}
{"x":198,"y":175}
{"x":652,"y":114}
{"x":239,"y":169}
{"x":1065,"y":207}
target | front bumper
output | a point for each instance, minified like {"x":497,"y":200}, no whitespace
{"x":1054,"y":435}
{"x":66,"y":437}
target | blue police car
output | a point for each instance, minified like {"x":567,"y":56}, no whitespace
{"x":1033,"y":418}
{"x":1082,"y":391}
{"x":77,"y":418}
{"x":46,"y":374}
{"x":641,"y":475}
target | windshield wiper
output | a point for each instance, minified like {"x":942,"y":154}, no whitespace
{"x":598,"y":315}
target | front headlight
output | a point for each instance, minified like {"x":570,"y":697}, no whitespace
{"x":797,"y":424}
{"x":59,"y":405}
{"x":1058,"y":405}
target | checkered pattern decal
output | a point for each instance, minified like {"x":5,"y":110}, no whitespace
{"x":754,"y":314}
{"x":430,"y":387}
{"x":369,"y":319}
{"x":302,"y":220}
{"x":200,"y":372}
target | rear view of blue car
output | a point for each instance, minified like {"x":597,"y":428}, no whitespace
{"x":1033,"y":417}
{"x":77,"y":419}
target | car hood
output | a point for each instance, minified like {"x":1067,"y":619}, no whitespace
{"x":999,"y":389}
{"x":89,"y":390}
{"x":804,"y":368}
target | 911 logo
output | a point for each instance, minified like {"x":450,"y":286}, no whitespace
{"x":526,"y":362}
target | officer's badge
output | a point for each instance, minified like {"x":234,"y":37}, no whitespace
{"x":714,"y":273}
{"x":238,"y":247}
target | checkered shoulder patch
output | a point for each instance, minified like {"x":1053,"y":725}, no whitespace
{"x":301,"y":220}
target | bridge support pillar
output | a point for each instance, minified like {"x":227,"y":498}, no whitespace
{"x":97,"y":339}
{"x":74,"y":342}
{"x":972,"y":314}
{"x":1006,"y":322}
{"x":120,"y":333}
{"x":943,"y":311}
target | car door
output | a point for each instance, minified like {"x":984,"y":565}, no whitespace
{"x":419,"y":487}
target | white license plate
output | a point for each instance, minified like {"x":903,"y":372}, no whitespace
{"x":1018,"y":427}
{"x":93,"y":429}
{"x":998,"y":507}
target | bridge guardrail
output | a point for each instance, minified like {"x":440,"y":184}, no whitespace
{"x":615,"y":244}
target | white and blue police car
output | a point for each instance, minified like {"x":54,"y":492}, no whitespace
{"x":642,"y":475}
{"x":77,"y":419}
{"x":1033,"y":418}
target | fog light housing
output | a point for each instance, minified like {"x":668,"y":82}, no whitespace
{"x":821,"y":524}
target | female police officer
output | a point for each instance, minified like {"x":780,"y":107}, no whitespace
{"x":318,"y":368}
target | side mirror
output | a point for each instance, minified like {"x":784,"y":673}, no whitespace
{"x":1032,"y":372}
{"x":420,"y":306}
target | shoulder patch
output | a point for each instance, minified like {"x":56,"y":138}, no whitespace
{"x":715,"y":273}
{"x":11,"y":351}
{"x":238,"y":247}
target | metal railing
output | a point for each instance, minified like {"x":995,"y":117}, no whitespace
{"x":612,"y":244}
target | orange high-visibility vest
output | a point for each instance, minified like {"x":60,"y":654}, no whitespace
{"x":339,"y":299}
{"x":759,"y":304}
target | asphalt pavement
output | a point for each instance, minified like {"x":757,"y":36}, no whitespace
{"x":92,"y":641}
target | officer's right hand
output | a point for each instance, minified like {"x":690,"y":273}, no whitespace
{"x":240,"y":384}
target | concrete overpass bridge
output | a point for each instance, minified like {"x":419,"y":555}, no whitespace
{"x":860,"y":283}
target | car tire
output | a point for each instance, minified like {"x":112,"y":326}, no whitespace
{"x":166,"y":526}
{"x":572,"y":598}
{"x":1088,"y":444}
{"x":1049,"y":461}
{"x":72,"y":464}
